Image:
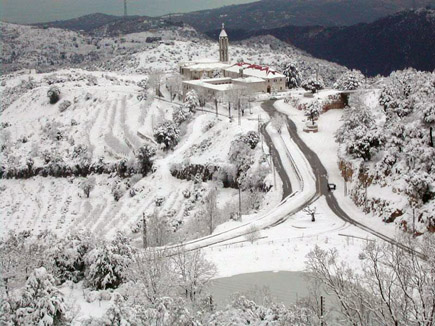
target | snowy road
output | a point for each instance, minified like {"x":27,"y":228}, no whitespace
{"x":305,"y":180}
{"x":321,"y":176}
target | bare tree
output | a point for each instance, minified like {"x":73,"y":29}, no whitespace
{"x":253,"y":234}
{"x":203,"y":96}
{"x":210,"y":208}
{"x":311,"y":211}
{"x":88,"y":185}
{"x":156,"y":229}
{"x":155,"y":80}
{"x":150,"y":271}
{"x":194,"y":272}
{"x":396,"y":286}
{"x":173,"y":83}
{"x":234,"y":97}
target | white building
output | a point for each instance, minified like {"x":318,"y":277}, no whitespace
{"x":202,"y":75}
{"x":274,"y":81}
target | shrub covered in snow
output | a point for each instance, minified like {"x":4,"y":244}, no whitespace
{"x":181,"y":114}
{"x":53,"y":94}
{"x":392,"y":146}
{"x":68,"y":256}
{"x":313,"y":84}
{"x":350,"y":81}
{"x":191,"y":102}
{"x":107,"y":263}
{"x":167,"y":134}
{"x":39,"y":303}
{"x":87,"y":185}
{"x":143,"y":156}
{"x":313,"y":110}
{"x":252,"y":138}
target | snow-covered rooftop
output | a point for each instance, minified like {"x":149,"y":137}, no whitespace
{"x":218,"y":84}
{"x":204,"y":65}
{"x":253,"y":70}
{"x":249,"y":80}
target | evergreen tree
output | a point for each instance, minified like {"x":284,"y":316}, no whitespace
{"x":293,"y":76}
{"x":107,"y":263}
{"x":41,"y":303}
{"x":350,"y":81}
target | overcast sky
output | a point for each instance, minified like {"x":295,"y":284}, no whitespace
{"x":32,"y":11}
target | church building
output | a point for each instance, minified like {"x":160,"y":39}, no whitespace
{"x":218,"y":77}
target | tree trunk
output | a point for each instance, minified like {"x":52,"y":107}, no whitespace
{"x":431,"y":136}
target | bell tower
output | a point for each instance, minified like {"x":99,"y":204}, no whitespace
{"x":223,"y":45}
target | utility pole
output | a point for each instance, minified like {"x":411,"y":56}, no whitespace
{"x":413,"y":220}
{"x":240,"y":202}
{"x":229,"y":110}
{"x":216,"y":104}
{"x":273,"y":170}
{"x":144,"y":231}
{"x":322,"y":313}
{"x":239,"y":113}
{"x":125,"y":8}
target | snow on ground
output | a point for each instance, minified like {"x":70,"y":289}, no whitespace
{"x":107,"y":116}
{"x":284,"y":247}
{"x":324,"y":145}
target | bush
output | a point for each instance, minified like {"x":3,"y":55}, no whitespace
{"x":143,"y":156}
{"x":53,"y":94}
{"x":313,"y":84}
{"x":167,"y":134}
{"x":350,"y":81}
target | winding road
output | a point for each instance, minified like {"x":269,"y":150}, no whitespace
{"x":311,"y":177}
{"x":322,"y":179}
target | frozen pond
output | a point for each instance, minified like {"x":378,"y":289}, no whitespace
{"x":285,"y":287}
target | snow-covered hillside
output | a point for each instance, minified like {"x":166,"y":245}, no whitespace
{"x":97,"y":134}
{"x":31,"y":47}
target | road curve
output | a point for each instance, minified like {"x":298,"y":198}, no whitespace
{"x":286,"y":184}
{"x":322,"y":180}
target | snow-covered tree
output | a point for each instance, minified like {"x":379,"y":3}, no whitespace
{"x":313,"y":110}
{"x":167,"y":134}
{"x":191,"y":101}
{"x":173,"y":84}
{"x":251,"y":138}
{"x":181,"y":114}
{"x":144,"y":155}
{"x":350,"y":81}
{"x":210,"y":209}
{"x":87,"y":185}
{"x":53,"y":94}
{"x":41,"y":303}
{"x":68,"y":256}
{"x":313,"y":84}
{"x":107,"y":263}
{"x":152,"y":275}
{"x":293,"y":76}
{"x":155,"y":80}
{"x":396,"y":286}
{"x":193,"y":272}
{"x":243,"y":311}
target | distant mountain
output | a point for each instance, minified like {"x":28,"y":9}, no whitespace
{"x":402,"y":40}
{"x":107,"y":25}
{"x":85,"y":23}
{"x":267,"y":14}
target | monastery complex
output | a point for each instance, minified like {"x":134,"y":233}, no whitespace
{"x":220,"y":77}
